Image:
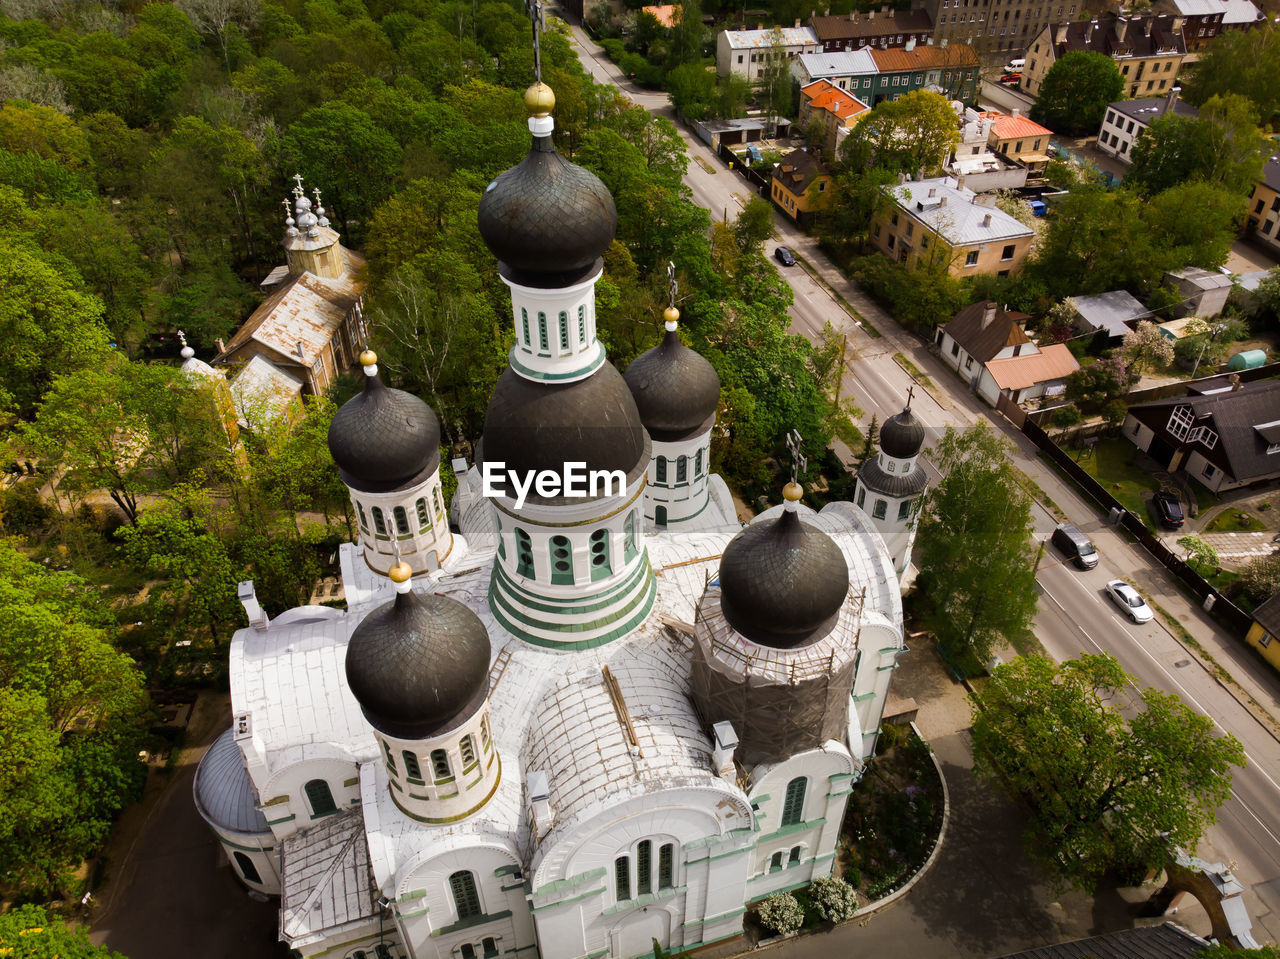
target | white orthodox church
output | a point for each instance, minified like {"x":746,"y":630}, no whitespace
{"x":573,"y":727}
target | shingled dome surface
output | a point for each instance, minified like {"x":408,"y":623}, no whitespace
{"x":384,"y":438}
{"x":675,"y":388}
{"x":547,"y":216}
{"x":782,"y":583}
{"x":902,"y":435}
{"x":417,"y":664}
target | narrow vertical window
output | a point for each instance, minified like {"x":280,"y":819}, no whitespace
{"x":424,"y":515}
{"x":561,"y":561}
{"x":411,"y":767}
{"x":440,"y":764}
{"x":775,"y":862}
{"x":582,"y":327}
{"x":490,"y":946}
{"x":662,"y":470}
{"x":524,"y":322}
{"x":644,"y":865}
{"x":524,"y":553}
{"x":484,"y":733}
{"x":542,"y":332}
{"x":391,"y":760}
{"x":466,"y":900}
{"x":379,"y":522}
{"x":630,"y":549}
{"x":320,"y":797}
{"x":697,"y":464}
{"x":794,"y":858}
{"x":793,"y":804}
{"x":904,"y":509}
{"x":402,"y":520}
{"x":439,"y":503}
{"x":564,"y":331}
{"x":682,"y":469}
{"x":666,"y":866}
{"x":247,"y":868}
{"x":468,"y":750}
{"x":364,"y":523}
{"x":468,"y":951}
{"x":600,"y":567}
{"x":622,"y":878}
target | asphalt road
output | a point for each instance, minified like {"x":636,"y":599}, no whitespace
{"x":1074,"y":614}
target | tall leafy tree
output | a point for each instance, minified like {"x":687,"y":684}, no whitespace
{"x":975,"y":546}
{"x":1240,"y":62}
{"x":1115,"y":775}
{"x":1076,"y":91}
{"x":1221,"y":146}
{"x":908,"y":135}
{"x":30,"y":932}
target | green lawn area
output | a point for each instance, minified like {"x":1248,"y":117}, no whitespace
{"x":1112,"y":464}
{"x":1234,"y":521}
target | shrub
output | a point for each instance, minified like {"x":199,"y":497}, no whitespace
{"x":834,"y":898}
{"x":1064,"y":416}
{"x":781,"y":913}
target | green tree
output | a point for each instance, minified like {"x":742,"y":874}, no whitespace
{"x":31,"y":933}
{"x":692,"y":89}
{"x":1222,"y":146}
{"x":1076,"y":91}
{"x":1115,"y":776}
{"x":1193,"y":224}
{"x":1260,"y":578}
{"x":1226,"y":952}
{"x":1202,"y":557}
{"x":1240,"y":61}
{"x":913,"y":133}
{"x":1146,"y":346}
{"x":754,"y":225}
{"x":975,"y":544}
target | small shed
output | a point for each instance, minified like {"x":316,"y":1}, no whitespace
{"x":1247,"y":360}
{"x":1204,"y":292}
{"x":1177,"y":329}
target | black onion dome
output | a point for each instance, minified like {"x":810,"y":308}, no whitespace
{"x":548,"y":216}
{"x":902,"y":435}
{"x":782,"y":583}
{"x":675,"y":389}
{"x":384,"y":438}
{"x":534,"y":426}
{"x":418,"y":663}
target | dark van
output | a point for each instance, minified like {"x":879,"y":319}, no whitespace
{"x":1076,"y":545}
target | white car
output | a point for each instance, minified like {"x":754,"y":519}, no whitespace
{"x":1127,"y":598}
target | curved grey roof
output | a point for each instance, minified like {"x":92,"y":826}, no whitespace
{"x":874,"y":478}
{"x":383,"y":439}
{"x":675,"y":389}
{"x":223,"y":793}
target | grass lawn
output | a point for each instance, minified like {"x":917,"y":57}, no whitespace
{"x":914,"y":370}
{"x":1234,"y":521}
{"x":1112,"y":464}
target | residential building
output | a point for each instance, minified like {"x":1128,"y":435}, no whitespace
{"x":801,"y":186}
{"x":1242,"y":15}
{"x":952,"y":70}
{"x":1204,"y":292}
{"x":1148,"y":50}
{"x":1114,"y":313}
{"x":517,"y":739}
{"x":1022,"y":139}
{"x":994,"y":27}
{"x":940,"y":221}
{"x":748,"y":52}
{"x":1263,"y":218}
{"x":882,"y":29}
{"x":1224,"y":434}
{"x":311,"y":326}
{"x":988,"y":348}
{"x":855,"y":71}
{"x":1202,"y":19}
{"x":1264,"y":632}
{"x":834,"y":110}
{"x":974,"y":165}
{"x":1125,"y":121}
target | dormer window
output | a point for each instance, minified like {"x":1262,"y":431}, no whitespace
{"x":1180,"y":421}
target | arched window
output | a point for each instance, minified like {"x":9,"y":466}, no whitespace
{"x":561,"y":561}
{"x":402,"y":520}
{"x":524,"y":323}
{"x":320,"y":798}
{"x":564,"y":331}
{"x":682,"y":469}
{"x":666,"y":866}
{"x":622,"y":878}
{"x":862,"y":496}
{"x":490,"y":946}
{"x":411,"y":767}
{"x":542,"y":333}
{"x":794,"y":858}
{"x":697,"y":464}
{"x":662,"y":469}
{"x":879,"y":509}
{"x":644,"y":867}
{"x":247,"y":868}
{"x":600,"y":567}
{"x":440,"y":764}
{"x":793,"y":804}
{"x":775,"y":862}
{"x":582,"y":327}
{"x":364,"y":523}
{"x":466,"y":900}
{"x":379,"y":523}
{"x":629,"y":549}
{"x":892,"y":467}
{"x":904,"y":509}
{"x":424,"y":514}
{"x":524,"y":553}
{"x":468,"y":749}
{"x":468,"y":951}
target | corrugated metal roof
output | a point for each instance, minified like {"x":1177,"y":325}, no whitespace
{"x":1199,"y":8}
{"x":327,"y":880}
{"x":224,"y":795}
{"x":952,"y":214}
{"x":1241,"y":11}
{"x":757,"y":39}
{"x":1165,"y":941}
{"x":847,"y":64}
{"x":1006,"y":127}
{"x":925,"y":57}
{"x":899,"y":21}
{"x":1111,"y":311}
{"x":1018,"y":372}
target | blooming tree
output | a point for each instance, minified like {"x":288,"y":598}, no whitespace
{"x":781,"y":913}
{"x":1146,"y":345}
{"x":833,"y":898}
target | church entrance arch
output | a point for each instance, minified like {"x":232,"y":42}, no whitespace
{"x":634,"y":936}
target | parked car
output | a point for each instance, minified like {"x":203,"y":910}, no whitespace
{"x":1075,"y":545}
{"x":1127,"y":598}
{"x":1168,"y":509}
{"x":784,"y":256}
{"x":1015,"y":65}
{"x":1011,"y":78}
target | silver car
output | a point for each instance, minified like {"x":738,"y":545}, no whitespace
{"x":1127,"y":598}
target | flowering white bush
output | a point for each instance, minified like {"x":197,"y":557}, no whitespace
{"x":833,"y":898}
{"x":781,"y":913}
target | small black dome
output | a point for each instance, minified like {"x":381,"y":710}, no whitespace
{"x":782,"y":583}
{"x":383,"y":439}
{"x":902,"y":435}
{"x":542,"y":426}
{"x":675,"y":389}
{"x":418,"y":663}
{"x":548,"y":216}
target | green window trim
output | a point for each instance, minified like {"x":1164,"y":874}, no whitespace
{"x":582,"y":327}
{"x":543,"y":342}
{"x":564,"y":331}
{"x":466,"y":898}
{"x":793,"y":802}
{"x":644,"y":867}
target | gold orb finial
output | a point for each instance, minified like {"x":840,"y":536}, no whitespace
{"x":671,"y":314}
{"x":539,"y":100}
{"x":368,"y":358}
{"x":793,"y":492}
{"x":401,"y":572}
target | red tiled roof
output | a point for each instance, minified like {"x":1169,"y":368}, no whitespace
{"x":928,"y":56}
{"x":831,"y":98}
{"x":1006,"y":127}
{"x":844,"y":28}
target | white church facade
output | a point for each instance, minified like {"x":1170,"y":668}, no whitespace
{"x":562,"y":727}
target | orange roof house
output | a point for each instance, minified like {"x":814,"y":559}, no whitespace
{"x":835,"y":109}
{"x":1019,"y":138}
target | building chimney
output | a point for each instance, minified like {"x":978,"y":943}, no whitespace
{"x":1060,"y":34}
{"x":1234,"y":380}
{"x":1017,"y":112}
{"x":222,"y":347}
{"x":1122,"y":24}
{"x":933,"y":191}
{"x":988,"y":313}
{"x":1088,"y":32}
{"x":986,"y":219}
{"x":1146,"y":25}
{"x":797,"y":23}
{"x":871,"y":15}
{"x":942,"y":200}
{"x":249,"y":600}
{"x":1172,"y":101}
{"x":1177,"y":24}
{"x":726,"y":741}
{"x":909,"y":45}
{"x":540,"y":804}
